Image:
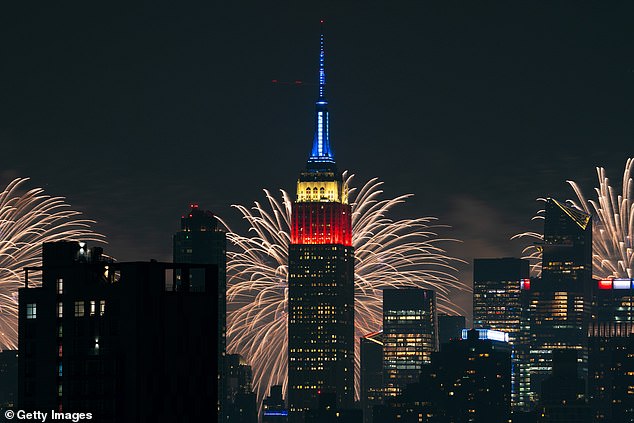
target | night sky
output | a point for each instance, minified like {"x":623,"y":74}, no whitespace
{"x":133,"y":112}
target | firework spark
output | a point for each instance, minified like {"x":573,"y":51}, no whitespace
{"x":28,"y":219}
{"x":389,"y":253}
{"x":613,"y":226}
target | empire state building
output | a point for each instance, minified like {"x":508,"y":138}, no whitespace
{"x":321,"y":277}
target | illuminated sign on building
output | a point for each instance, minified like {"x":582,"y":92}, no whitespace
{"x":493,"y":335}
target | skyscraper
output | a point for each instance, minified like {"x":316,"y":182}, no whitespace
{"x":201,"y":241}
{"x":559,"y":304}
{"x":410,"y":335}
{"x":321,"y":277}
{"x":497,"y":304}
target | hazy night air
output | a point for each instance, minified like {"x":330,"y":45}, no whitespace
{"x":467,"y":112}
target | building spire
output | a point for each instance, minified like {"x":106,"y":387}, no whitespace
{"x":322,"y":68}
{"x":321,"y":155}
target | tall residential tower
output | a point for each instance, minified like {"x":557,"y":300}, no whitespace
{"x":321,"y":277}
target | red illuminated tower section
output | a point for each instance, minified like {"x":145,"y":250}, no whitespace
{"x":321,"y":279}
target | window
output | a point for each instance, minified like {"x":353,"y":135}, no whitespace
{"x":93,"y":308}
{"x":102,"y":307}
{"x":60,"y":310}
{"x":31,"y":311}
{"x":79,"y":308}
{"x":60,"y":285}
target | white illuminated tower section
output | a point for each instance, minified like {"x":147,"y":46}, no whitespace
{"x":321,"y":278}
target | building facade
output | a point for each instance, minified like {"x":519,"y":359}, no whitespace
{"x":497,"y":304}
{"x":109,"y":338}
{"x":559,"y":304}
{"x":321,"y":277}
{"x":410,"y":336}
{"x":611,"y":351}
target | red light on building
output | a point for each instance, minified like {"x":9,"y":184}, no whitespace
{"x":605,"y":284}
{"x":321,"y":223}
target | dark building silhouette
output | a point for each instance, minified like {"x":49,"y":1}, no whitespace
{"x":610,"y":343}
{"x":329,"y":411}
{"x":563,"y":398}
{"x":468,"y":380}
{"x":201,"y":241}
{"x":274,"y":408}
{"x":8,"y":378}
{"x":410,"y":335}
{"x":241,"y":404}
{"x":497,"y":304}
{"x":559,"y":303}
{"x":623,"y":382}
{"x":110,"y":339}
{"x":371,"y":373}
{"x":321,"y":278}
{"x":450,"y":327}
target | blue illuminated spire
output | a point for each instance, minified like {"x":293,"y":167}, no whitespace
{"x":321,"y":152}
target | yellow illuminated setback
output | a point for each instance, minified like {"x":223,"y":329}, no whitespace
{"x":322,"y":191}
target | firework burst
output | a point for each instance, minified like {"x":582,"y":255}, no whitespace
{"x":388,"y":253}
{"x":28,"y":219}
{"x":613,"y":226}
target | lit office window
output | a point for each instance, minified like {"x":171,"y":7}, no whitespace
{"x":31,"y":311}
{"x":79,"y":308}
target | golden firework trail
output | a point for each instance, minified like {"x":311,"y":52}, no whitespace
{"x":29,"y":218}
{"x":612,"y":231}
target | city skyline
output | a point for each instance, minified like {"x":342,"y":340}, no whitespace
{"x":428,"y":82}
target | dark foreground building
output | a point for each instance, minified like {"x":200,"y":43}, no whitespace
{"x":468,"y":381}
{"x":8,"y":378}
{"x":110,"y":339}
{"x":201,"y":240}
{"x":371,"y":373}
{"x":563,"y":398}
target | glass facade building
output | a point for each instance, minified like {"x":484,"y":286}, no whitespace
{"x":410,"y":336}
{"x":559,"y":304}
{"x":497,"y":304}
